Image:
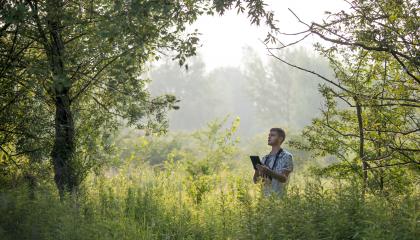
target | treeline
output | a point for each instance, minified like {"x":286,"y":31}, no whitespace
{"x":261,"y":94}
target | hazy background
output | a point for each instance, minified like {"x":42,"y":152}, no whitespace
{"x":233,"y":74}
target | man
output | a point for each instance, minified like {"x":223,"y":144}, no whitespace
{"x":277,"y":165}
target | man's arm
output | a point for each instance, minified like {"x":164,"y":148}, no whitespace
{"x":281,"y":177}
{"x":258,"y":174}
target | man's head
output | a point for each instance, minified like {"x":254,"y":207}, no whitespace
{"x":276,"y":136}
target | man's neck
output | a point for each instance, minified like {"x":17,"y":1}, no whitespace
{"x":275,"y":149}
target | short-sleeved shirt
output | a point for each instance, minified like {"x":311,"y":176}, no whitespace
{"x":284,"y":162}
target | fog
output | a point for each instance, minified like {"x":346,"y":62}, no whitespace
{"x":262,"y":95}
{"x":233,"y":76}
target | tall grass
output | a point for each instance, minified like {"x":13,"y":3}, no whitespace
{"x":204,"y":191}
{"x":142,"y":203}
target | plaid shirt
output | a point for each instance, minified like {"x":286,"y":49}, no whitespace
{"x":284,"y":162}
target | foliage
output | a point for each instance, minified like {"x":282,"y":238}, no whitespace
{"x":71,"y":72}
{"x":370,"y":118}
{"x":387,"y":27}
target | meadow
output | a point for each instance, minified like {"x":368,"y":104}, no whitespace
{"x":204,"y":190}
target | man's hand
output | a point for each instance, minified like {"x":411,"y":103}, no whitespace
{"x":256,"y":176}
{"x":265,"y":171}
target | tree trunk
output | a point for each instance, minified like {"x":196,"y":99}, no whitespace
{"x":62,"y":154}
{"x":361,"y":144}
{"x":65,"y":175}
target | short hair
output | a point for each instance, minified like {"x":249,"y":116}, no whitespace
{"x":280,"y":132}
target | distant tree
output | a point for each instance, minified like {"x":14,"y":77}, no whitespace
{"x":231,"y":84}
{"x":71,"y":69}
{"x":203,"y":95}
{"x":193,"y":88}
{"x":283,"y":95}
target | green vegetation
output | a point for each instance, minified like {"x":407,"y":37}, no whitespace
{"x":370,"y":115}
{"x":73,"y":86}
{"x":204,"y":193}
{"x":70,"y":71}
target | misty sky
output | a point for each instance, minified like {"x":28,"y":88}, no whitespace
{"x":223,"y":37}
{"x":215,"y":83}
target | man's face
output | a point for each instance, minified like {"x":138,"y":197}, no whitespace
{"x":274,"y":138}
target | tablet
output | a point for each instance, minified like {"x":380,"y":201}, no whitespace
{"x":255,"y":160}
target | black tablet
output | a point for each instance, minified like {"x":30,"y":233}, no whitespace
{"x":255,"y":160}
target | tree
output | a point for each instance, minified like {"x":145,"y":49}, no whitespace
{"x":370,"y":132}
{"x":373,"y":50}
{"x":390,"y":27}
{"x":71,"y":69}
